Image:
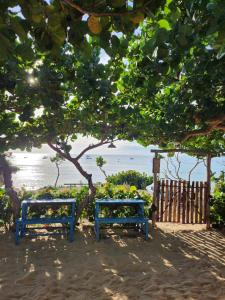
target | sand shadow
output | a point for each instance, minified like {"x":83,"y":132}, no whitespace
{"x":173,"y":265}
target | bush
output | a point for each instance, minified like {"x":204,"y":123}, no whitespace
{"x":217,"y":209}
{"x":132,"y":178}
{"x":108,"y":190}
{"x":104,"y":191}
{"x":5,"y":210}
{"x":52,"y":193}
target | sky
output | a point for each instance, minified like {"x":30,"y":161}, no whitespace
{"x":122,"y":148}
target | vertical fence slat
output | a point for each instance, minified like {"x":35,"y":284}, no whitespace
{"x":166,"y":202}
{"x":192,"y":201}
{"x":205,"y":200}
{"x":201,"y":203}
{"x":197,"y":204}
{"x":179,"y":201}
{"x":170,"y":200}
{"x":183,"y":201}
{"x":158,"y":200}
{"x":188,"y":203}
{"x":162,"y":201}
{"x":175,"y":201}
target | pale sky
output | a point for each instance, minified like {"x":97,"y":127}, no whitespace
{"x":122,"y":148}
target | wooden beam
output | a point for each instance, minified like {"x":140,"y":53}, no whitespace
{"x":208,"y":165}
{"x":154,"y":214}
{"x":197,"y":151}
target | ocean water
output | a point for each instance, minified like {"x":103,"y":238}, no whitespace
{"x":36,"y":170}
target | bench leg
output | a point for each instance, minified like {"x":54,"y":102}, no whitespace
{"x":17,"y":233}
{"x":23,"y":230}
{"x":146,"y":230}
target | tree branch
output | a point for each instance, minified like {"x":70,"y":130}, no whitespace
{"x":168,"y":170}
{"x":212,"y":124}
{"x":195,"y":165}
{"x":90,"y":147}
{"x":98,"y":14}
{"x":60,"y":152}
{"x":179,"y":164}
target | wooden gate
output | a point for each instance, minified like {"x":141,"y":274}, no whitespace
{"x":182,"y":201}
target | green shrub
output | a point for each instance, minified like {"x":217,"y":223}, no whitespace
{"x":217,"y":209}
{"x":52,"y":193}
{"x":109,"y":190}
{"x":104,"y":191}
{"x":132,"y":178}
{"x":5,"y":210}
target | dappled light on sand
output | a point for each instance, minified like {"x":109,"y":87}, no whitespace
{"x":180,"y":262}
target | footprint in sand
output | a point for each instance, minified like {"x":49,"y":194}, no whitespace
{"x":88,"y":275}
{"x":28,"y":278}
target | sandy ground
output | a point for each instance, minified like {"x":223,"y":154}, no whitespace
{"x":180,"y":262}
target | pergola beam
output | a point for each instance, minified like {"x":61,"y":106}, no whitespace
{"x":197,"y":151}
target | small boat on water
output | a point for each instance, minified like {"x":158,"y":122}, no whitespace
{"x":88,"y":157}
{"x":44,"y":157}
{"x":131,"y":158}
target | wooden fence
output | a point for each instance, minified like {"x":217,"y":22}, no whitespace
{"x":182,"y":201}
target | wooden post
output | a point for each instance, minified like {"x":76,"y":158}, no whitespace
{"x":201,"y":212}
{"x":209,"y":158}
{"x":155,"y":170}
{"x":179,"y":201}
{"x":162,"y":199}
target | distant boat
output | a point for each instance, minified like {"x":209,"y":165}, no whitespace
{"x":25,"y":157}
{"x":88,"y":157}
{"x":44,"y":157}
{"x":131,"y":158}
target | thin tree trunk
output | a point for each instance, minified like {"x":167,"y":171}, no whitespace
{"x":58,"y":173}
{"x":7,"y":177}
{"x":92,"y":190}
{"x":104,"y":172}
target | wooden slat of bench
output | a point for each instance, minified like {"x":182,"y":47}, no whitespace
{"x":46,"y":220}
{"x":120,"y":201}
{"x":48,"y":201}
{"x":46,"y":234}
{"x":121,"y":220}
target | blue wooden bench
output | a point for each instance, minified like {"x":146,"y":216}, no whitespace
{"x":21,"y":223}
{"x":139,"y":219}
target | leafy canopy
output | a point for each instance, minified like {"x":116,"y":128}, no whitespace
{"x":174,"y":75}
{"x":50,"y":24}
{"x":53,"y":85}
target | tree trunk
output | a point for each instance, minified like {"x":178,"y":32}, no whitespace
{"x":58,"y":173}
{"x":104,"y":172}
{"x":92,"y":190}
{"x":7,"y":177}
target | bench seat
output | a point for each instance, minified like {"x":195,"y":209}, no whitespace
{"x":44,"y":220}
{"x":133,"y":220}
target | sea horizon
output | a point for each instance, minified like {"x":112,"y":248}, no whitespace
{"x":35,"y":170}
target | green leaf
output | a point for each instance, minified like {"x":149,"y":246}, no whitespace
{"x":115,"y":42}
{"x":163,"y":23}
{"x":162,"y":52}
{"x":221,"y":53}
{"x":118,"y":3}
{"x":25,"y":51}
{"x":18,"y":28}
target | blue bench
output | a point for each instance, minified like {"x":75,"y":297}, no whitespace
{"x":21,"y":223}
{"x":139,"y":219}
